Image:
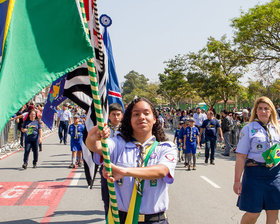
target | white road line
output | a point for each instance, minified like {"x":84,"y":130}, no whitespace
{"x":75,"y":179}
{"x":210,"y":182}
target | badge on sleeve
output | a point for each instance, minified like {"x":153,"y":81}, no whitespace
{"x":153,"y":183}
{"x":259,"y":146}
{"x":169,"y":157}
{"x":254,"y":131}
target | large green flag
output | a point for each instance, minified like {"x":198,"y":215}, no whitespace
{"x":44,"y":39}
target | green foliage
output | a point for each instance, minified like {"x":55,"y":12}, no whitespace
{"x":137,"y":85}
{"x":173,"y":85}
{"x":134,"y":80}
{"x":257,"y":32}
{"x":215,"y":70}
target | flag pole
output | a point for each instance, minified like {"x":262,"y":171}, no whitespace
{"x":100,"y":122}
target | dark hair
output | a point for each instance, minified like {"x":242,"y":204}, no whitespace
{"x":115,"y":106}
{"x":28,"y":117}
{"x":126,"y":128}
{"x":225,"y":112}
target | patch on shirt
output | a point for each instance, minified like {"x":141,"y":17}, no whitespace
{"x":259,"y":146}
{"x":254,"y":131}
{"x":153,"y":183}
{"x":119,"y":182}
{"x":169,"y":157}
{"x":153,"y":155}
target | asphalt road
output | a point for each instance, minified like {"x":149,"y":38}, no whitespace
{"x":53,"y":193}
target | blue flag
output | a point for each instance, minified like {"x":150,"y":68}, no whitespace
{"x":3,"y":24}
{"x":113,"y":87}
{"x":55,"y":98}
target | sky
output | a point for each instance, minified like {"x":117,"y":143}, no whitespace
{"x":146,"y":33}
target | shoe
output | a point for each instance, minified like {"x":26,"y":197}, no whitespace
{"x":224,"y":154}
{"x":212,"y":163}
{"x":182,"y":158}
{"x":72,"y":165}
{"x":206,"y":160}
{"x":65,"y":143}
{"x":179,"y":160}
{"x":79,"y":164}
{"x":24,"y":166}
{"x":189,"y":167}
{"x":60,"y":141}
{"x":34,"y":165}
{"x":194,"y":167}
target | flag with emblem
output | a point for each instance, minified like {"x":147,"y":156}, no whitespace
{"x":38,"y":45}
{"x":272,"y":155}
{"x":113,"y":87}
{"x":55,"y":98}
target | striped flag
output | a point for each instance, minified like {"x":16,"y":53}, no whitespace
{"x":77,"y":86}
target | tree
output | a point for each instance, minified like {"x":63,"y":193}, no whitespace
{"x":134,"y":80}
{"x":214,"y":71}
{"x":173,"y":85}
{"x":257,"y":33}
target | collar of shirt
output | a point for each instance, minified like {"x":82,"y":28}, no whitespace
{"x":133,"y":145}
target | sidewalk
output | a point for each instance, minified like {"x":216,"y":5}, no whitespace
{"x":51,"y":193}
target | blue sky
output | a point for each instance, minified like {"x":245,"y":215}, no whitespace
{"x":146,"y":33}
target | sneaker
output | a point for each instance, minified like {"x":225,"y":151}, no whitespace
{"x":24,"y":166}
{"x":34,"y":165}
{"x":206,"y":160}
{"x":79,"y":164}
{"x":72,"y":165}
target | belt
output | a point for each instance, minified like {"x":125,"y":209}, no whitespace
{"x":251,"y":162}
{"x":148,"y":218}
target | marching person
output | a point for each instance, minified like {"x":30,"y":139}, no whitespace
{"x":191,"y":142}
{"x":211,"y":127}
{"x":63,"y":121}
{"x":141,"y":138}
{"x":260,"y":186}
{"x":33,"y":136}
{"x":177,"y":140}
{"x":76,"y":131}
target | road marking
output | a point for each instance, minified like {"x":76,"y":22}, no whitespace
{"x":75,"y":179}
{"x":210,"y":182}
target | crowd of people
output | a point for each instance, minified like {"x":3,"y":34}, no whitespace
{"x":143,"y":161}
{"x":29,"y":125}
{"x":223,"y":128}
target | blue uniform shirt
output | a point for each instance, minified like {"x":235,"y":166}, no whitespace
{"x":155,"y":196}
{"x":76,"y":133}
{"x":177,"y":135}
{"x":254,"y":140}
{"x":191,"y":133}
